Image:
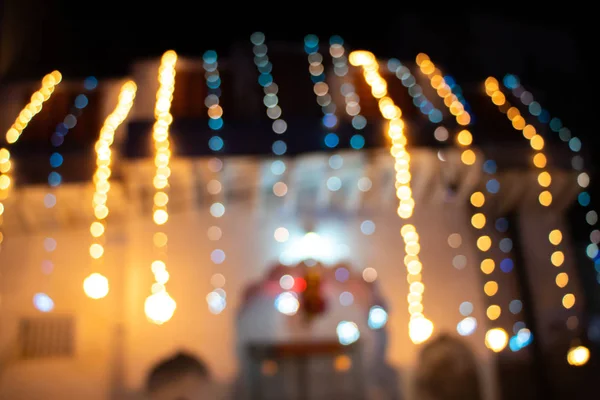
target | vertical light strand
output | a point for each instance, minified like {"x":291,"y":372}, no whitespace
{"x":535,"y":109}
{"x":420,"y":328}
{"x":216,"y":299}
{"x":496,"y":338}
{"x":96,"y":285}
{"x":359,"y":122}
{"x":544,"y":178}
{"x":49,"y":82}
{"x":328,"y":107}
{"x":347,"y":89}
{"x":32,"y":108}
{"x":274,"y":112}
{"x":160,"y":306}
{"x":43,"y":301}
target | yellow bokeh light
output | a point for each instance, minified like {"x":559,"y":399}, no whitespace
{"x":555,"y":237}
{"x":518,"y":123}
{"x":161,"y":199}
{"x":487,"y":266}
{"x":160,"y":217}
{"x":96,"y":286}
{"x":568,"y":300}
{"x":493,"y":312}
{"x":544,"y":179}
{"x":478,"y":220}
{"x":490,"y":288}
{"x":498,"y":98}
{"x":160,"y":239}
{"x":562,"y":279}
{"x":539,"y":160}
{"x":464,"y":138}
{"x":96,"y":250}
{"x":468,"y":157}
{"x":421,"y":57}
{"x":159,"y":307}
{"x":578,"y":356}
{"x":512,"y":113}
{"x":484,"y":243}
{"x":537,"y":142}
{"x":97,"y":229}
{"x":545,"y":198}
{"x":557,"y":258}
{"x":420,"y":329}
{"x":478,"y":199}
{"x":529,"y":131}
{"x":496,"y":339}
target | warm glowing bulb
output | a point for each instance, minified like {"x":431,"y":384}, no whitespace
{"x":420,"y":329}
{"x":95,"y":286}
{"x":496,"y":339}
{"x":578,"y":356}
{"x":159,"y":307}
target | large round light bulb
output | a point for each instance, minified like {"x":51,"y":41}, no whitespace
{"x":496,"y":339}
{"x":420,"y":329}
{"x":95,"y":286}
{"x":159,"y":307}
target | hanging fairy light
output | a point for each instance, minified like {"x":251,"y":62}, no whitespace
{"x":325,"y":101}
{"x":415,"y":91}
{"x":42,"y":301}
{"x":544,"y":179}
{"x":347,"y":89}
{"x":274,"y":112}
{"x":535,"y":109}
{"x":359,"y":122}
{"x":216,"y":299}
{"x":464,"y":140}
{"x":160,"y":306}
{"x":96,"y":285}
{"x":32,"y":108}
{"x":420,"y":328}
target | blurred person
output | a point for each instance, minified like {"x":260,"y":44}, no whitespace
{"x":181,"y":377}
{"x":447,"y":370}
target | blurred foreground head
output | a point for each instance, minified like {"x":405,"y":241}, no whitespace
{"x":181,"y":377}
{"x":447,"y":370}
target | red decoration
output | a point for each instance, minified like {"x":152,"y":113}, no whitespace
{"x":313,"y":301}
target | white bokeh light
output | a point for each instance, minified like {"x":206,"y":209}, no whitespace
{"x":347,"y":332}
{"x":310,"y":246}
{"x":377,"y":317}
{"x":467,"y":326}
{"x":287,"y":303}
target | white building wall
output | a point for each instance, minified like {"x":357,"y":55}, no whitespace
{"x":251,"y":249}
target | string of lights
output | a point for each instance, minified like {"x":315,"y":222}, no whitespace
{"x":43,"y":94}
{"x":42,"y":301}
{"x":160,"y":306}
{"x":32,"y":108}
{"x":96,"y":285}
{"x":217,"y":298}
{"x":328,"y":107}
{"x":544,"y":179}
{"x":535,"y":109}
{"x":415,"y":90}
{"x":347,"y":89}
{"x":359,"y":122}
{"x":496,"y":338}
{"x":420,"y":328}
{"x":274,"y":112}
